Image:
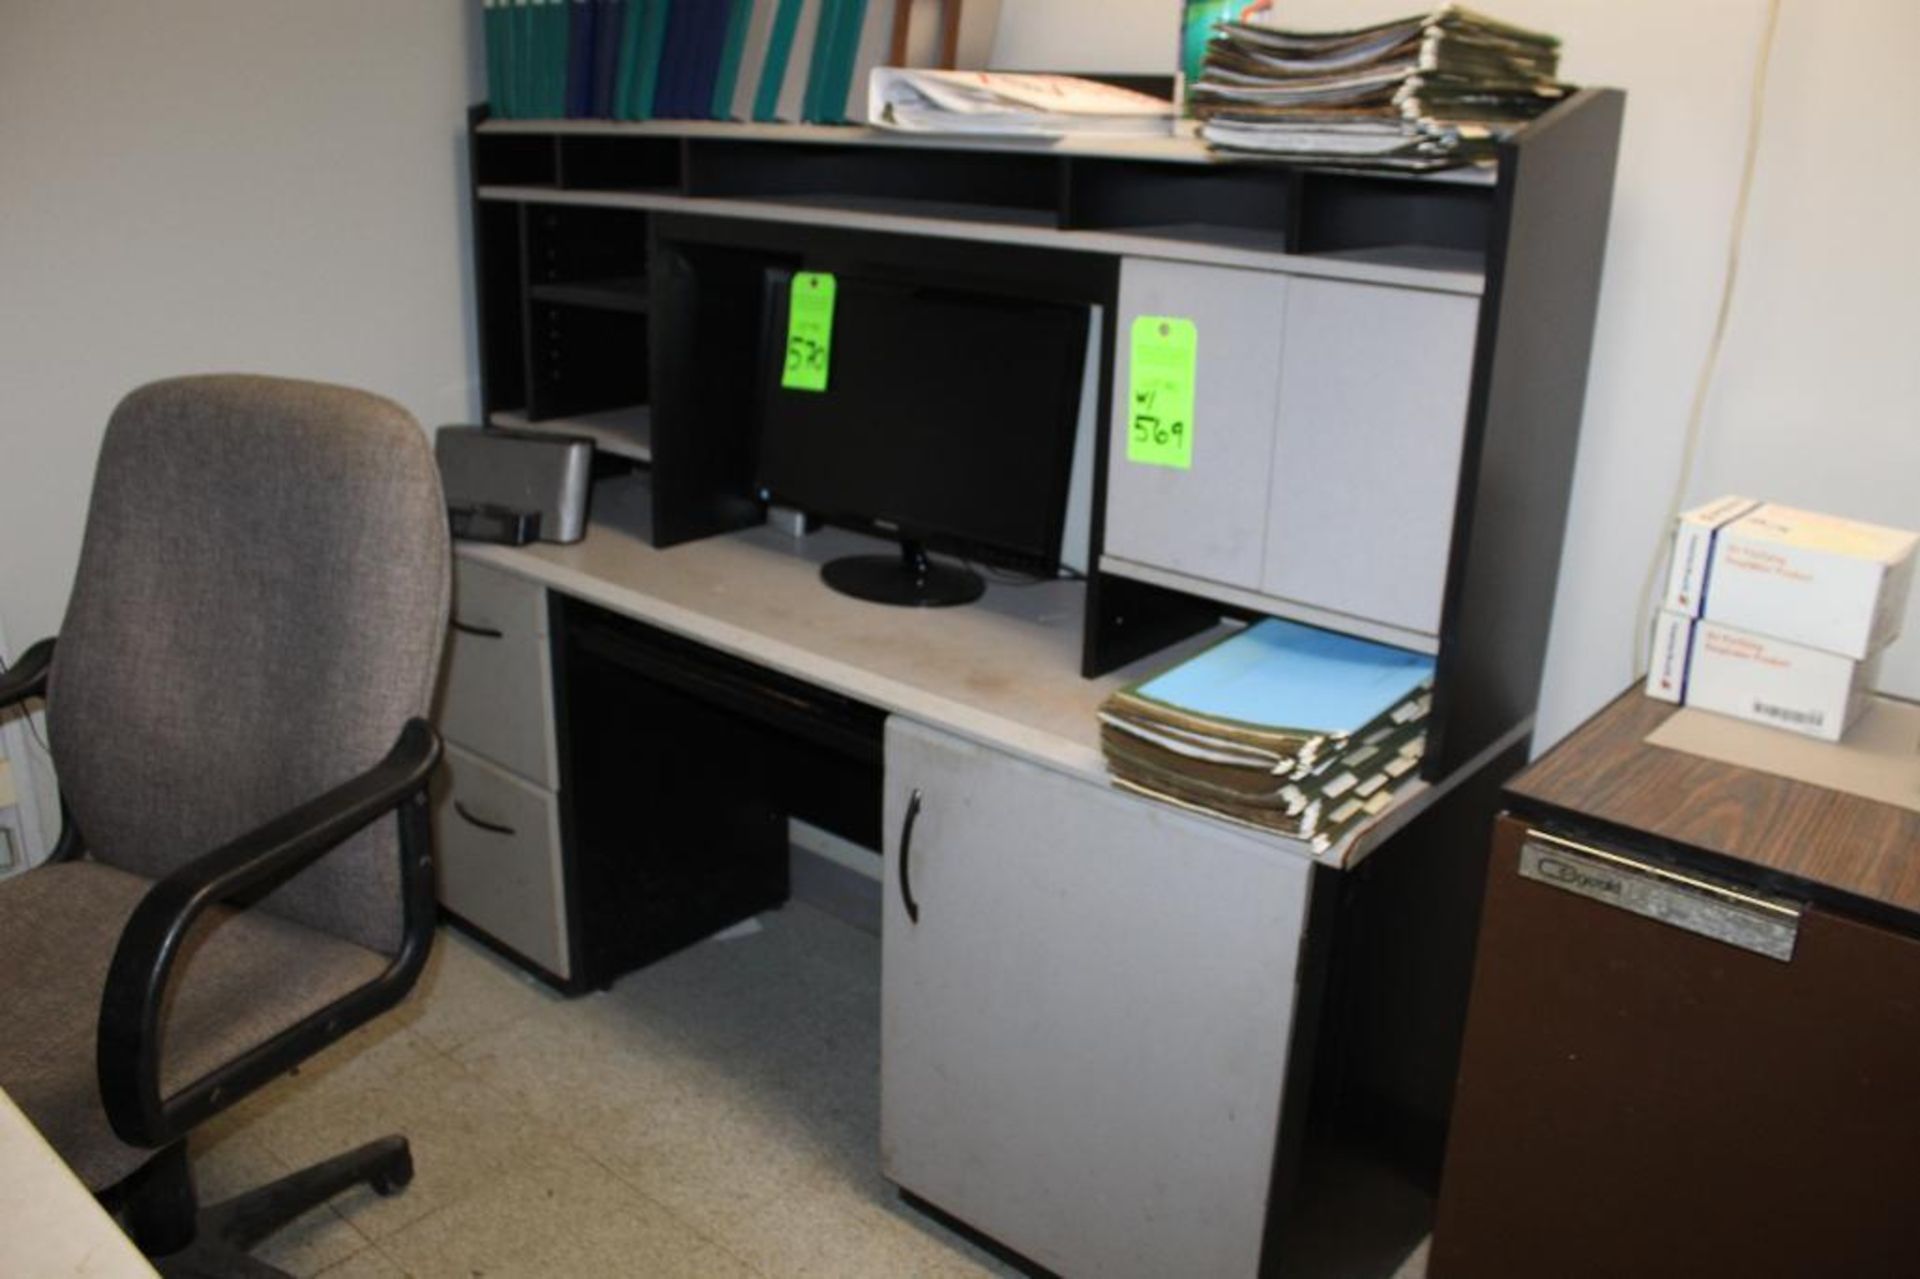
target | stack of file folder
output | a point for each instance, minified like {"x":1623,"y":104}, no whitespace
{"x":1280,"y":726}
{"x":1010,"y":104}
{"x":786,"y":60}
{"x":1423,"y":92}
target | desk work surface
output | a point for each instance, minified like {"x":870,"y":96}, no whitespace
{"x":1606,"y":772}
{"x":50,"y":1225}
{"x":1003,"y":671}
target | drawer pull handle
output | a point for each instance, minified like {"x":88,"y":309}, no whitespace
{"x":471,"y":820}
{"x":484,"y":632}
{"x":906,"y":844}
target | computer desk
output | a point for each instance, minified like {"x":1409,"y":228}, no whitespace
{"x":1118,"y":1037}
{"x":50,"y":1224}
{"x":1103,"y":1000}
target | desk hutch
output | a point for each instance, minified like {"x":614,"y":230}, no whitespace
{"x":1117,"y":1038}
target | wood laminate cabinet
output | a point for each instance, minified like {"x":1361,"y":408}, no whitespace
{"x":1085,"y":1012}
{"x":1693,"y":1036}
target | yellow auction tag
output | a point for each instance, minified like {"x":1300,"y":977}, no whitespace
{"x":809,"y":332}
{"x":1160,"y":394}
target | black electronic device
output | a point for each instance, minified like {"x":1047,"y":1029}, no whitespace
{"x":948,"y":420}
{"x":488,"y":523}
{"x":498,"y":476}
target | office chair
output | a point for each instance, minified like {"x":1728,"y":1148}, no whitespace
{"x":235,"y":706}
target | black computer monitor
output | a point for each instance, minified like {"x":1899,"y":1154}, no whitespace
{"x":948,"y":421}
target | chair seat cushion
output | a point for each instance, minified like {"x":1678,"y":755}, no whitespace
{"x":242,"y":978}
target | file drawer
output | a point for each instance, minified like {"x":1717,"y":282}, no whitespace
{"x":498,"y":841}
{"x":1663,"y":1078}
{"x":498,"y":698}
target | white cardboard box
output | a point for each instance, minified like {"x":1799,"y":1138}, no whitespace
{"x":1715,"y":667}
{"x":1799,"y":576}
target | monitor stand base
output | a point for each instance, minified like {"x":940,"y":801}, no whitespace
{"x":909,"y":579}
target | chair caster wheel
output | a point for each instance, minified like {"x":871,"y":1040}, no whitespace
{"x":394,"y":1176}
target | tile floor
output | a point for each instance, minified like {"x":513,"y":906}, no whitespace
{"x":714,"y":1115}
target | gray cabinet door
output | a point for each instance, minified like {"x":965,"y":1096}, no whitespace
{"x":1366,"y":464}
{"x":1084,"y":1033}
{"x":1210,"y":520}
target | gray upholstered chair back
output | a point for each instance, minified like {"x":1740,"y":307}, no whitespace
{"x":260,"y":606}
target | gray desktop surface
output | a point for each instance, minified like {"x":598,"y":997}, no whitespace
{"x":1003,"y":671}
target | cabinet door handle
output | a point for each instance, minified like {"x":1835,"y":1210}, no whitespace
{"x":471,"y":820}
{"x":906,"y":844}
{"x":484,"y":632}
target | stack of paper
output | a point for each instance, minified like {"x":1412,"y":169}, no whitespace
{"x":1009,"y":104}
{"x":1280,"y":726}
{"x":1417,"y":93}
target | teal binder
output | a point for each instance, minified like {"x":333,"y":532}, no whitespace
{"x":766,"y":103}
{"x":731,"y":52}
{"x":832,"y":106}
{"x":631,"y":35}
{"x":550,"y":19}
{"x":559,"y":52}
{"x":825,"y":41}
{"x":753,"y":59}
{"x":650,"y":29}
{"x":494,"y":17}
{"x":520,"y":66}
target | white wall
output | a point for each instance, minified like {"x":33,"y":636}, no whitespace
{"x":271,"y":186}
{"x":1088,"y":35}
{"x":1815,"y":401}
{"x":1818,"y":404}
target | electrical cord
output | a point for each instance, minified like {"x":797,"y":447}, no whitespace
{"x":32,"y":728}
{"x":1696,"y":412}
{"x":1013,"y":577}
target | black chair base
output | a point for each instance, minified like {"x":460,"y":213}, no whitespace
{"x":159,"y":1208}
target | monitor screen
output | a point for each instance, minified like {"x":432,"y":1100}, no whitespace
{"x":948,"y":417}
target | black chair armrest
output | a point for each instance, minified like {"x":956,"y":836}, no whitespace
{"x":27,"y":677}
{"x":24,"y":680}
{"x":129,"y":1047}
